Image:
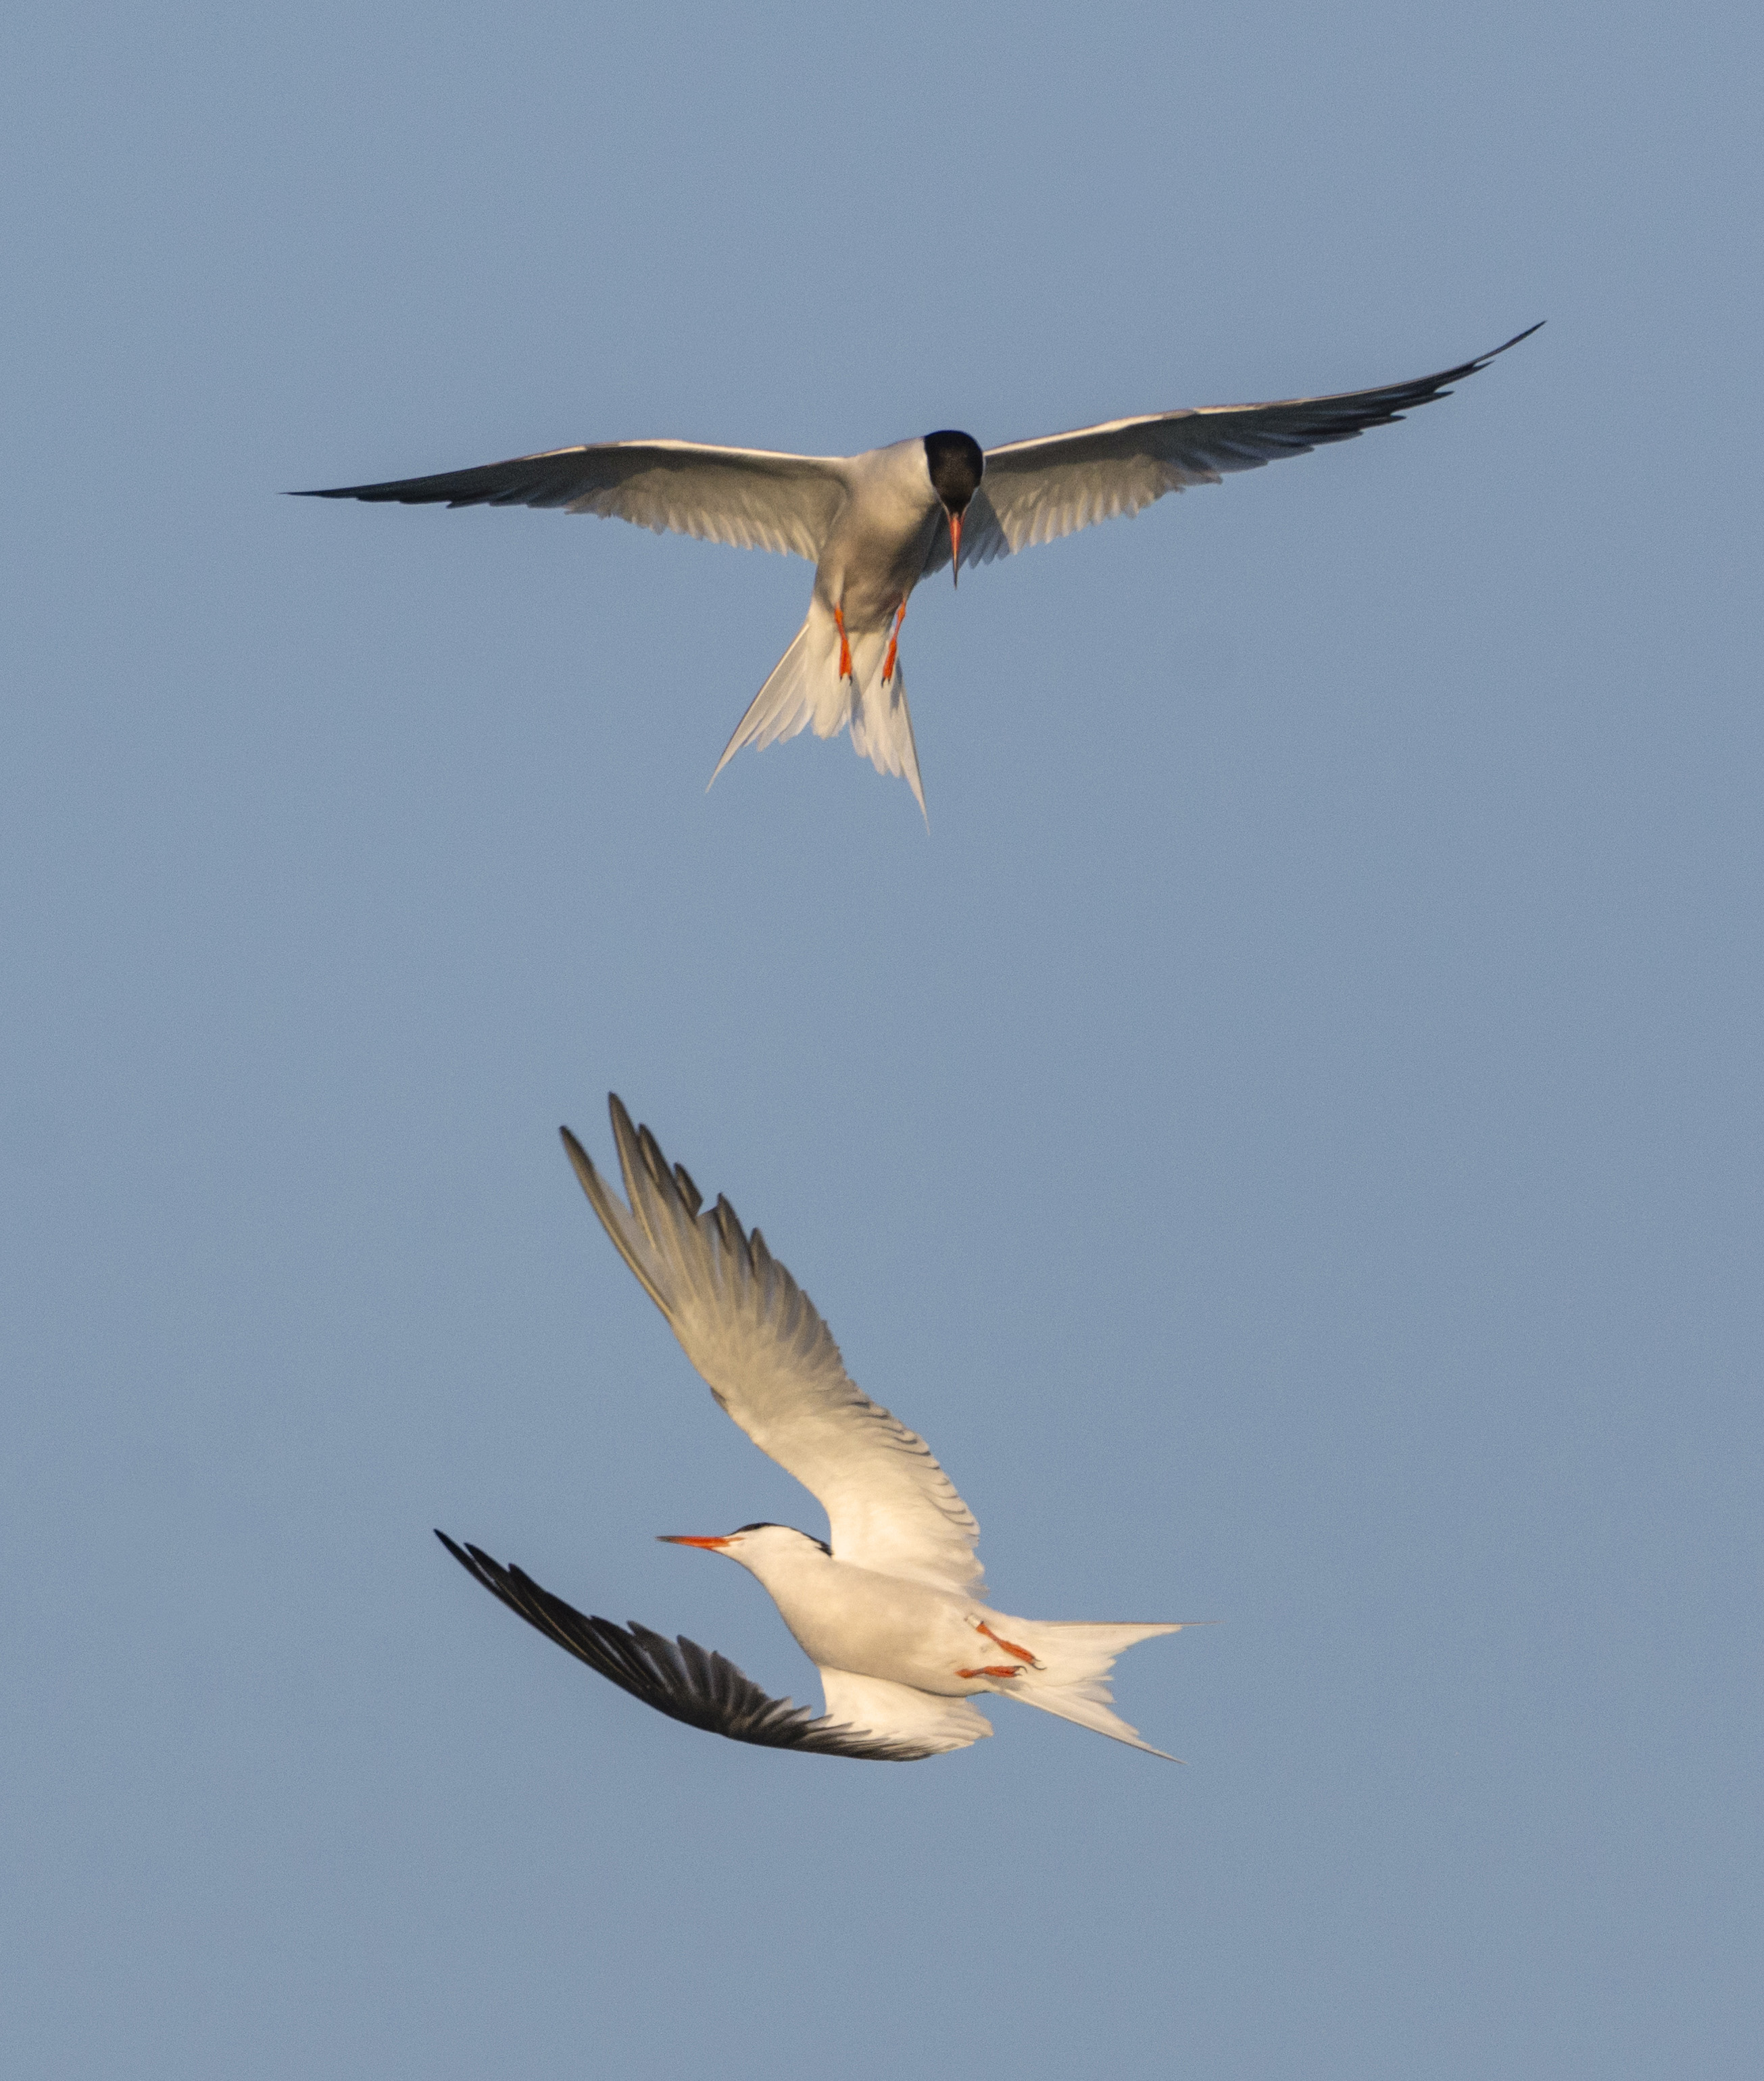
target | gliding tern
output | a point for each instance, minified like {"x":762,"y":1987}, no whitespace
{"x":891,"y":1610}
{"x":874,"y":524}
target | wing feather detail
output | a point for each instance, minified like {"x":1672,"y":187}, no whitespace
{"x":772,"y":1365}
{"x":896,"y":1712}
{"x":751,"y":499}
{"x":685,"y":1681}
{"x":1037,"y":491}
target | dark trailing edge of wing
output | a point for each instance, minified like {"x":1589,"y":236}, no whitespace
{"x":1338,"y":420}
{"x":1223,"y":439}
{"x":679,"y":1678}
{"x":539,"y":480}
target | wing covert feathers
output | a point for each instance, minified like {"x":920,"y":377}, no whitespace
{"x":773,"y":1366}
{"x":1036,"y":490}
{"x":752,"y":498}
{"x":682,"y":1680}
{"x":896,"y":1712}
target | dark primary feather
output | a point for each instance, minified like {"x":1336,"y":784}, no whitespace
{"x":679,"y":1678}
{"x":1037,"y":491}
{"x":1244,"y":436}
{"x":748,"y":498}
{"x":557,"y":476}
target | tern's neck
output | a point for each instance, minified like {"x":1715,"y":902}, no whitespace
{"x":786,"y":1567}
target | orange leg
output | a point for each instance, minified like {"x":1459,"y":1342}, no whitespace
{"x":1010,"y":1646}
{"x":845,"y":646}
{"x":993,"y":1669}
{"x":894,"y":644}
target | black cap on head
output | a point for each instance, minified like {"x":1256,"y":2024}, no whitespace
{"x":770,"y":1525}
{"x":957,"y":463}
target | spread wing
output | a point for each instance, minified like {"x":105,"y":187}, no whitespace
{"x":748,"y":498}
{"x":770,"y":1361}
{"x":685,"y":1681}
{"x":1035,"y":491}
{"x":899,"y":1713}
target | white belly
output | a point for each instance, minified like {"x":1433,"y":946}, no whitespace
{"x":873,"y":559}
{"x":878,"y":1625}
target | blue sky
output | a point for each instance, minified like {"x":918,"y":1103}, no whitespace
{"x":1289,"y":1135}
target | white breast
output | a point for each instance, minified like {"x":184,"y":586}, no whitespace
{"x":877,"y":548}
{"x":874,"y":1626}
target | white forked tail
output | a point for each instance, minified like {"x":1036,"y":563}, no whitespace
{"x":805,"y":687}
{"x":1075,"y":1657}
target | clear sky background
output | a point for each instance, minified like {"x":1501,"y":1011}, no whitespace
{"x":1289,"y":1136}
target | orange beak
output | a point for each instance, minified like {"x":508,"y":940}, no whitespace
{"x":687,"y":1538}
{"x":956,"y":548}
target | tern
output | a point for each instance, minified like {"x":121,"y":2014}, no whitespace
{"x":891,"y":1607}
{"x":874,"y":524}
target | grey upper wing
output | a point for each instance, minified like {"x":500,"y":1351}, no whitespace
{"x":1036,"y":491}
{"x":749,"y":497}
{"x":679,"y":1678}
{"x":772,"y":1364}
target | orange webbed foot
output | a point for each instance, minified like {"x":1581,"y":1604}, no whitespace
{"x":894,"y":644}
{"x":1010,"y":1646}
{"x":993,"y":1669}
{"x":845,"y":645}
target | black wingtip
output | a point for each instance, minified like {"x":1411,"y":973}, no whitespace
{"x":1502,"y":349}
{"x":677,"y":1678}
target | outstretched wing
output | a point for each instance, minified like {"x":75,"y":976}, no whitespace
{"x":899,"y":1713}
{"x":1035,"y":491}
{"x":684,"y":1680}
{"x":770,"y":1361}
{"x":749,"y":497}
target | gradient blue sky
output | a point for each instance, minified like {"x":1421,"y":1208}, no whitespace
{"x":1289,"y":1136}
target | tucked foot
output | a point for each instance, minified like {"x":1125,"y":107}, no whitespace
{"x":845,"y":645}
{"x":993,"y":1669}
{"x":894,"y":644}
{"x":1010,"y":1646}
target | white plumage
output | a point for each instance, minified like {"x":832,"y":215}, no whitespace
{"x":890,"y":1609}
{"x":874,"y":524}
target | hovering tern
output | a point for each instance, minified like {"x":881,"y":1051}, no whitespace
{"x":892,"y":1610}
{"x":874,"y":524}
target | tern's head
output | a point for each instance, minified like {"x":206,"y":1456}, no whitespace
{"x":757,"y":1546}
{"x":957,"y":464}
